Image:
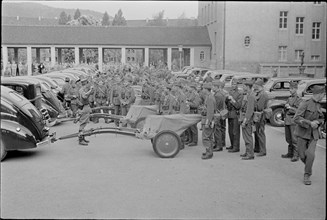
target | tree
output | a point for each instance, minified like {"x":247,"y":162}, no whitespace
{"x":105,"y":20}
{"x":63,"y":19}
{"x":69,"y":18}
{"x":77,"y":14}
{"x":158,"y":20}
{"x":119,"y":19}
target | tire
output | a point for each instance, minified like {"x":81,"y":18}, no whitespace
{"x":139,"y":124}
{"x":277,"y":118}
{"x":166,"y":144}
{"x":3,"y":151}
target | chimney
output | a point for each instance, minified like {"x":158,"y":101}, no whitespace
{"x":17,"y":18}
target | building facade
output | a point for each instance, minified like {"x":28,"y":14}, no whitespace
{"x":266,"y":37}
{"x":171,"y":46}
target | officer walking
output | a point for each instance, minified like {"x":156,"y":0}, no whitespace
{"x":233,"y":103}
{"x":207,"y":133}
{"x":85,"y":92}
{"x":292,"y":104}
{"x":246,"y":118}
{"x":261,"y":104}
{"x":308,"y":118}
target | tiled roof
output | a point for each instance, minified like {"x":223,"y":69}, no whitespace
{"x":112,"y":35}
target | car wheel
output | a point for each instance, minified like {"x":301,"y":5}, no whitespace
{"x":3,"y":150}
{"x":139,"y":124}
{"x":277,"y":118}
{"x":166,"y":144}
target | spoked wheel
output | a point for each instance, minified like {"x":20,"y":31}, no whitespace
{"x":166,"y":144}
{"x":3,"y":150}
{"x":139,"y":124}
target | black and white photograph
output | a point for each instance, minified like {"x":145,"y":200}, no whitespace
{"x":163,"y":110}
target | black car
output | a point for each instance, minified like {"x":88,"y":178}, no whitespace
{"x":31,"y":89}
{"x":304,"y":91}
{"x":22,"y":125}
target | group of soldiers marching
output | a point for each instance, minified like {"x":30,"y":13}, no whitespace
{"x":243,"y":108}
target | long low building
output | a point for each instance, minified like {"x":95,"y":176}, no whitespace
{"x":181,"y":45}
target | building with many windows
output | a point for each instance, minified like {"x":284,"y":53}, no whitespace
{"x":266,"y":37}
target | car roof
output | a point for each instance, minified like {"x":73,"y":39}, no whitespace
{"x":5,"y":95}
{"x":19,"y":80}
{"x":311,"y":81}
{"x":251,"y":75}
{"x":289,"y":78}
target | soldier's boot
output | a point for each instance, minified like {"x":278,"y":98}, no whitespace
{"x":289,"y":153}
{"x":208,"y":154}
{"x":306,"y":179}
{"x":81,"y":141}
{"x":295,"y":155}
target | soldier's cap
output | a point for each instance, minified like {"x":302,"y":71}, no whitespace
{"x":67,"y":79}
{"x":317,"y":89}
{"x":207,"y":85}
{"x":259,"y":82}
{"x":248,"y":82}
{"x":293,"y":85}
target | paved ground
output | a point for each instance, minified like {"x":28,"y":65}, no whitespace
{"x":121,"y":177}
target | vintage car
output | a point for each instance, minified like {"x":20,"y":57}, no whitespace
{"x":216,"y":74}
{"x":31,"y":89}
{"x":227,"y":78}
{"x":251,"y":77}
{"x":304,"y":91}
{"x":22,"y":125}
{"x":196,"y":71}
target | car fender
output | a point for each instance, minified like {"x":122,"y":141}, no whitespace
{"x":15,"y":136}
{"x":276,"y":103}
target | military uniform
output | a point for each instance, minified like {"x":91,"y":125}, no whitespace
{"x":86,"y":110}
{"x":308,"y":118}
{"x":127,"y":98}
{"x":207,"y":134}
{"x":220,"y":123}
{"x":73,"y":94}
{"x":233,"y":107}
{"x":259,"y":134}
{"x":246,"y":118}
{"x":194,"y":102}
{"x":101,"y":97}
{"x":64,"y":90}
{"x":115,"y":100}
{"x":291,"y":105}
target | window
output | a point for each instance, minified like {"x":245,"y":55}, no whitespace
{"x":247,"y":42}
{"x":202,"y":56}
{"x":299,"y":25}
{"x":298,"y":54}
{"x":282,"y":53}
{"x":283,"y":20}
{"x":316,"y":30}
{"x":315,"y":58}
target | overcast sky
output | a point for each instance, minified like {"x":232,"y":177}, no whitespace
{"x":131,"y":9}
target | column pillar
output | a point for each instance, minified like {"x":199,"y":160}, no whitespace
{"x":100,"y":58}
{"x":169,"y":58}
{"x":123,"y":55}
{"x":53,"y":56}
{"x":29,"y":61}
{"x":192,"y":56}
{"x":76,"y":51}
{"x":38,"y":55}
{"x":146,"y":56}
{"x":59,"y":60}
{"x":4,"y":57}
